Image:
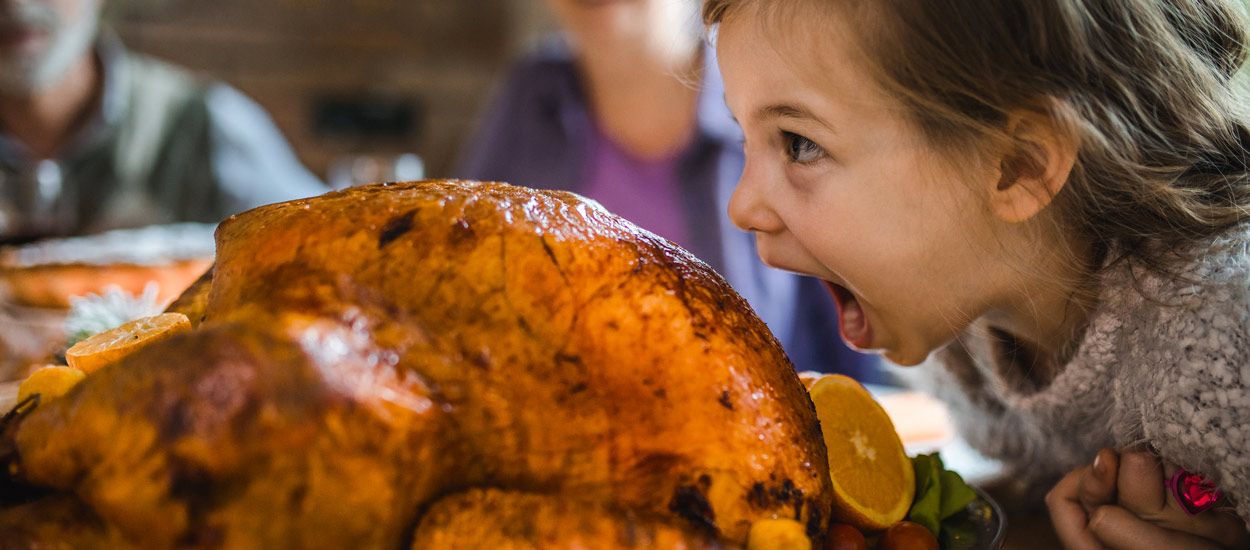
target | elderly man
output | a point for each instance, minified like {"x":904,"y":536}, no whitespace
{"x":93,"y":137}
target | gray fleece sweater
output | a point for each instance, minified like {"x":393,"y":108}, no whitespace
{"x":1163,"y":361}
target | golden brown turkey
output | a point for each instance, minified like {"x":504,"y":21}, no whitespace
{"x":431,"y":365}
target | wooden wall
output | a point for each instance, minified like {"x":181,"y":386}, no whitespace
{"x":286,"y":54}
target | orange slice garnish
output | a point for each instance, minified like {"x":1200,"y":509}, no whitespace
{"x":808,"y":378}
{"x":873,"y":480}
{"x":49,"y":382}
{"x":112,"y":345}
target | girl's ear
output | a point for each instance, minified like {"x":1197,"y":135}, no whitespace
{"x":1034,"y":168}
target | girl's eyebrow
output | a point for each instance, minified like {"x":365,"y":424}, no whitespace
{"x":786,"y":110}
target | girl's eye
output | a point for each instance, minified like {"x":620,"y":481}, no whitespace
{"x":800,"y":149}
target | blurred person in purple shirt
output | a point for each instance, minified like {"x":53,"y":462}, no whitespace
{"x":627,"y":108}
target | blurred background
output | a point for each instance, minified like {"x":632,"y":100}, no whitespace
{"x":345,"y":78}
{"x":102,"y":149}
{"x":363,"y":90}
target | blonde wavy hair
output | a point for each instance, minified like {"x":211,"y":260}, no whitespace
{"x":1146,"y":88}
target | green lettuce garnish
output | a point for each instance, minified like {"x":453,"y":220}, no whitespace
{"x":940,"y":493}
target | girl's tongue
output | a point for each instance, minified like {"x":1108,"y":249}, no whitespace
{"x":851,"y":318}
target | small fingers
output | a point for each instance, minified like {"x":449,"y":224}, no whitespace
{"x":1142,"y":489}
{"x":1120,"y":529}
{"x":1219,"y":526}
{"x":1068,"y":515}
{"x":1098,"y":485}
{"x":1140,"y":484}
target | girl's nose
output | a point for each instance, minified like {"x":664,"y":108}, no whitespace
{"x":749,"y":208}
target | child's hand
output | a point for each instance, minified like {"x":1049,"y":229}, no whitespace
{"x":1123,"y":502}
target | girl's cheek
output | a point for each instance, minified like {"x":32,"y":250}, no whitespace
{"x":801,"y":180}
{"x":820,"y":186}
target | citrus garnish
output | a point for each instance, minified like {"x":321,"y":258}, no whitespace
{"x":808,"y":378}
{"x":110,"y":346}
{"x":49,"y":382}
{"x":778,"y":534}
{"x":873,"y":480}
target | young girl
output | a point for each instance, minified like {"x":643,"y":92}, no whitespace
{"x":1046,"y":202}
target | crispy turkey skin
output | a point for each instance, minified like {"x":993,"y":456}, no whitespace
{"x":433,"y":364}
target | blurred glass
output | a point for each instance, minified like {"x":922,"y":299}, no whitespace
{"x":34,"y":204}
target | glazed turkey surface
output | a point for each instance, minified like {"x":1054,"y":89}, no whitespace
{"x":432,"y":365}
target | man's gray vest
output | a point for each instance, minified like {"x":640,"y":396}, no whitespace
{"x":161,"y":154}
{"x":150,"y":164}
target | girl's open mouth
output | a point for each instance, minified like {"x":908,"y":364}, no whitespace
{"x":851,"y":318}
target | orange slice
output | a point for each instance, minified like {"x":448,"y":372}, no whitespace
{"x":809,"y":377}
{"x":110,"y":346}
{"x":49,"y":382}
{"x":873,"y":480}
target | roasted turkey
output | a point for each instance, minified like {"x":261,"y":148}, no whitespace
{"x":434,"y":364}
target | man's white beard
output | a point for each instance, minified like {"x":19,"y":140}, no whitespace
{"x":20,"y":76}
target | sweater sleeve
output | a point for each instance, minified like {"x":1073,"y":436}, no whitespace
{"x":1195,"y":403}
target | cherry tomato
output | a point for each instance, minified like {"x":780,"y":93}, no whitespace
{"x":845,"y":537}
{"x":906,"y":535}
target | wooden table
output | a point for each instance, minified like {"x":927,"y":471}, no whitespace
{"x":1031,"y":532}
